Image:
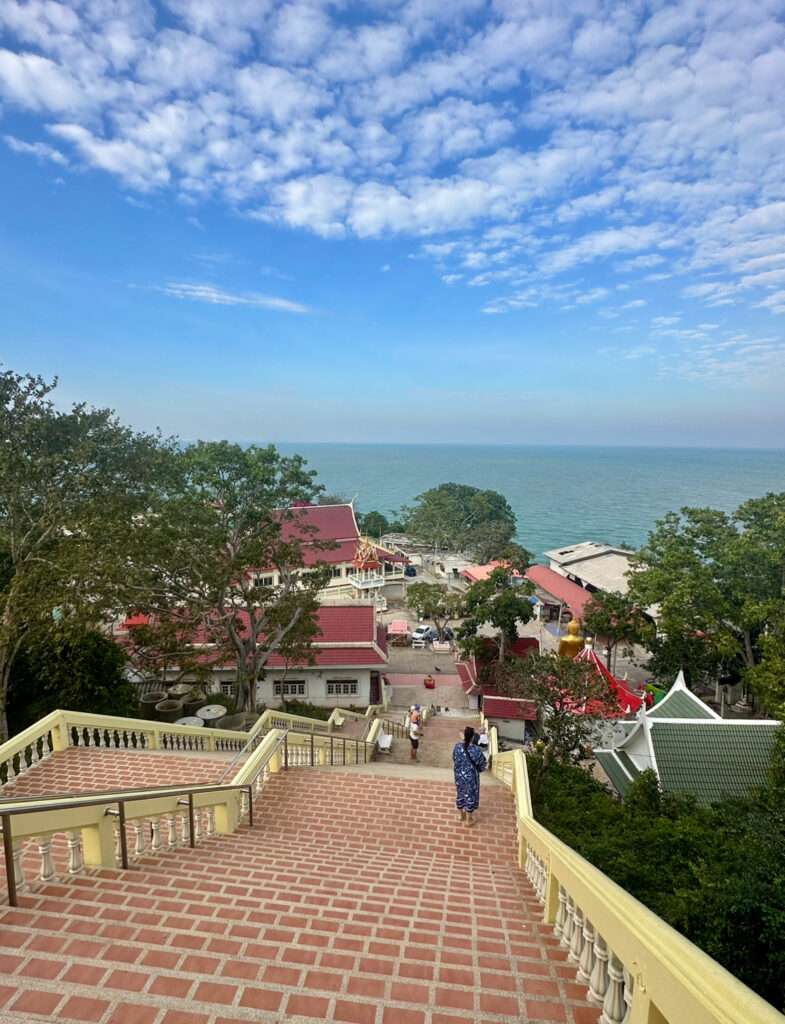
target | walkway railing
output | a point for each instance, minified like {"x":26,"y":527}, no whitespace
{"x":636,"y":967}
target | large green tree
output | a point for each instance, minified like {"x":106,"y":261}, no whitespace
{"x":433,"y":602}
{"x":718,"y":580}
{"x":73,"y":483}
{"x":79,"y":670}
{"x":613,"y":619}
{"x":494,"y":607}
{"x":220,"y":562}
{"x":455,"y":515}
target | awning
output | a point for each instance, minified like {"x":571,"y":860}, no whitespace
{"x":400,"y":627}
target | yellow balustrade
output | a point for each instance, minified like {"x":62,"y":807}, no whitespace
{"x":637,"y":967}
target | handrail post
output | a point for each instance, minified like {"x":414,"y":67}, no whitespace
{"x":286,"y":752}
{"x":191,"y":821}
{"x":356,"y":751}
{"x":331,"y":750}
{"x":250,"y":806}
{"x":312,"y":749}
{"x":10,"y":870}
{"x":344,"y":751}
{"x":123,"y":837}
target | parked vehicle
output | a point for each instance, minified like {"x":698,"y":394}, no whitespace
{"x":409,"y":570}
{"x":448,"y":634}
{"x":421,"y":633}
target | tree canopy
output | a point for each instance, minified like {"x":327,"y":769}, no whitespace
{"x":718,"y":580}
{"x":496,"y":604}
{"x":435,"y":603}
{"x":458,"y":516}
{"x":221,"y":561}
{"x":72,"y":485}
{"x":613,"y":619}
{"x":571,"y":698}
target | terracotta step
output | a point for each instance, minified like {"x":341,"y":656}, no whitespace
{"x":357,"y":898}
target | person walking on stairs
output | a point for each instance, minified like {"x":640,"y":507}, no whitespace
{"x":468,"y":761}
{"x":414,"y":735}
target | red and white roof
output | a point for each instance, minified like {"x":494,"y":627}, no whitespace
{"x":563,"y":590}
{"x":628,"y":701}
{"x":494,"y":706}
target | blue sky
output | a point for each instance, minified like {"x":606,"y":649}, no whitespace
{"x":400,"y":220}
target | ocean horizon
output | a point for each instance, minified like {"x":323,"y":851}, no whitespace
{"x":560,"y":494}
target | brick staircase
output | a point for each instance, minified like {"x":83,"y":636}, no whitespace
{"x":357,"y":898}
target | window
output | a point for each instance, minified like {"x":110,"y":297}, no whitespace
{"x":263,"y":581}
{"x":291,"y":689}
{"x":336,"y":687}
{"x":335,"y":572}
{"x":227,"y":689}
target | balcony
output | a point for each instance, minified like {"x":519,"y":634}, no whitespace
{"x":366,"y":580}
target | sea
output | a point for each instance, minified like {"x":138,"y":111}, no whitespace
{"x":560,"y":495}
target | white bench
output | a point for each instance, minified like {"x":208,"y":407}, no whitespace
{"x":338,"y":721}
{"x":384,"y":741}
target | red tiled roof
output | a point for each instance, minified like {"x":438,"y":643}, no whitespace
{"x":467,"y":679}
{"x":508,"y":707}
{"x":329,"y":522}
{"x":346,"y":623}
{"x":475,"y":573}
{"x":337,"y":656}
{"x":564,"y":590}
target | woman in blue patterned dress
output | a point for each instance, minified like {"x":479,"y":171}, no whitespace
{"x":468,"y":761}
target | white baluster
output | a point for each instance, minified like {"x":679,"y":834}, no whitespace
{"x":171,"y":841}
{"x":576,"y":945}
{"x":9,"y":764}
{"x":629,"y":987}
{"x":185,"y":829}
{"x":34,"y":756}
{"x":586,"y":964}
{"x":598,"y":982}
{"x":198,"y":825}
{"x":156,"y":841}
{"x":47,"y":872}
{"x":23,"y":766}
{"x":614,"y":1008}
{"x":19,"y":871}
{"x":141,"y":838}
{"x":75,"y":862}
{"x":558,"y":924}
{"x":210,"y":821}
{"x":569,"y":921}
{"x":118,"y":853}
{"x":543,"y":881}
{"x":46,"y":749}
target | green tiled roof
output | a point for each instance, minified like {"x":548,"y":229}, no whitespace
{"x":625,"y":759}
{"x":680,"y":704}
{"x":712,"y":760}
{"x":614,"y":771}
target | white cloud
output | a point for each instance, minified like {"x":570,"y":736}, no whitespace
{"x":217,"y":297}
{"x":634,"y":304}
{"x":40,"y":150}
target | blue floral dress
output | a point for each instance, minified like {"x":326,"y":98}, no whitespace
{"x":468,"y":762}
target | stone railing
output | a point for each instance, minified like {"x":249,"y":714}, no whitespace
{"x":62,"y":729}
{"x":637,"y":969}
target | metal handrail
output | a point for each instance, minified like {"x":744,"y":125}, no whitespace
{"x":28,"y":805}
{"x":250,"y":743}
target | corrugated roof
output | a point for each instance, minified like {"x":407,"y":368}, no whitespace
{"x":564,"y":590}
{"x":508,"y":707}
{"x":613,"y":770}
{"x":713,"y":760}
{"x":679,"y":703}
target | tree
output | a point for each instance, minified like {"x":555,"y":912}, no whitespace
{"x":571,"y":699}
{"x":431,"y":602}
{"x":72,"y":484}
{"x":500,"y":602}
{"x":221,"y":561}
{"x":72,"y":669}
{"x":488,"y":541}
{"x":449,"y":515}
{"x":614,"y":619}
{"x":332,"y":499}
{"x":717,"y":577}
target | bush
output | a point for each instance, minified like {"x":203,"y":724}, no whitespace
{"x":305,"y":710}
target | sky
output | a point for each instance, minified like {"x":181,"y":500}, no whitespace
{"x":544,"y":221}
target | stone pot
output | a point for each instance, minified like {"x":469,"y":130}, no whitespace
{"x":148,"y":702}
{"x":179,"y":691}
{"x":190,"y":707}
{"x":169,"y":710}
{"x":212,"y":715}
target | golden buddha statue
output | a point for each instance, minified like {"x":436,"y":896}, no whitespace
{"x":571,"y":644}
